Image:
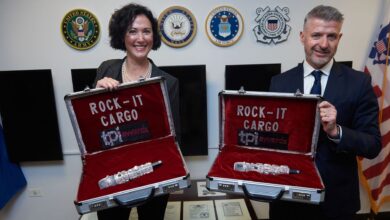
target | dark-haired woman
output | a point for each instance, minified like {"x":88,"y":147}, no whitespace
{"x":133,"y":29}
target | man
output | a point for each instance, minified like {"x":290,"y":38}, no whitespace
{"x":348,"y":115}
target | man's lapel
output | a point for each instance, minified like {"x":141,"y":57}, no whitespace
{"x":332,"y":89}
{"x":297,"y":80}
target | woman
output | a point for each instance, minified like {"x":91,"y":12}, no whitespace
{"x":133,"y":29}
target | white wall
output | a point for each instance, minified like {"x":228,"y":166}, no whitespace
{"x":31,"y":39}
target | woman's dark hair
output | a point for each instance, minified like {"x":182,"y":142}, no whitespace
{"x":123,"y":18}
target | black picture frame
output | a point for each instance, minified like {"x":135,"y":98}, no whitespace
{"x":347,"y":63}
{"x":29,"y":115}
{"x":193,"y":107}
{"x":252,"y":77}
{"x":83,"y":78}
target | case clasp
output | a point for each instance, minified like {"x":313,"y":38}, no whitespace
{"x":241,"y":91}
{"x":298,"y":93}
{"x":86,"y":89}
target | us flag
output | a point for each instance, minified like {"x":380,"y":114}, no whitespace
{"x":375,"y":173}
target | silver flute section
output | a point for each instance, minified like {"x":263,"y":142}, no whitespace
{"x":127,"y":175}
{"x":264,"y":168}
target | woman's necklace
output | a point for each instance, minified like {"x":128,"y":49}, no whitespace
{"x":126,"y":75}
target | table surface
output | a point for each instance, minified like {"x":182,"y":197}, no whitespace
{"x":191,"y":194}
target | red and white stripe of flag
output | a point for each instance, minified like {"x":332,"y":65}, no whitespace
{"x":375,"y":173}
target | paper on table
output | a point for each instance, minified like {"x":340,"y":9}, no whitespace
{"x":172,"y":212}
{"x":232,"y":209}
{"x":193,"y":210}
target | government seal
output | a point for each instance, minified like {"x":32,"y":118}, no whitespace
{"x":272,"y":25}
{"x":80,"y":29}
{"x":177,"y":26}
{"x":224,"y":26}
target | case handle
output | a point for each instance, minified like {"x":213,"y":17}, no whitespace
{"x":263,"y":193}
{"x":135,"y":198}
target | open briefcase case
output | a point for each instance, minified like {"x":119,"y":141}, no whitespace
{"x":267,"y":147}
{"x":127,"y":143}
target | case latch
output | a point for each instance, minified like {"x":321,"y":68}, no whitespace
{"x":141,"y":79}
{"x":298,"y":93}
{"x":241,"y":91}
{"x":86,"y":89}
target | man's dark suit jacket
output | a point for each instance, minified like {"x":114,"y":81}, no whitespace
{"x":350,"y":91}
{"x":113,"y":69}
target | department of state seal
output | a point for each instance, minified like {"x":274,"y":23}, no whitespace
{"x":224,"y":26}
{"x":80,"y":29}
{"x":177,"y":26}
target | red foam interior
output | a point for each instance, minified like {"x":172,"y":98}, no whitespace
{"x":92,"y":122}
{"x":105,"y":112}
{"x":99,"y":165}
{"x":297,"y":123}
{"x":297,"y":120}
{"x":223,"y":167}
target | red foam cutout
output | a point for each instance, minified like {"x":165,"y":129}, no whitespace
{"x":223,"y":167}
{"x":99,"y":165}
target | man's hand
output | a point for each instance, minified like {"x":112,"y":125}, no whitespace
{"x":328,"y":115}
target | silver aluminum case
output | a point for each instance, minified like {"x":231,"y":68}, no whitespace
{"x":263,"y":191}
{"x":136,"y":196}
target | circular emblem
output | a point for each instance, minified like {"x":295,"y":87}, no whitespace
{"x":272,"y":25}
{"x":80,"y":29}
{"x":224,"y":26}
{"x":177,"y":26}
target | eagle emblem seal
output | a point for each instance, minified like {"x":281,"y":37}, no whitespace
{"x":224,"y":26}
{"x":177,"y":26}
{"x":80,"y":29}
{"x":272,"y":25}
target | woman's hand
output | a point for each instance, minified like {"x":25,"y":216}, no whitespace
{"x":107,"y":83}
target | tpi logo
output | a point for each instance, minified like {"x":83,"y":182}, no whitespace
{"x":272,"y":140}
{"x":248,"y":138}
{"x":110,"y":138}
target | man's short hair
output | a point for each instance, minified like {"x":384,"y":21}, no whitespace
{"x":326,"y":13}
